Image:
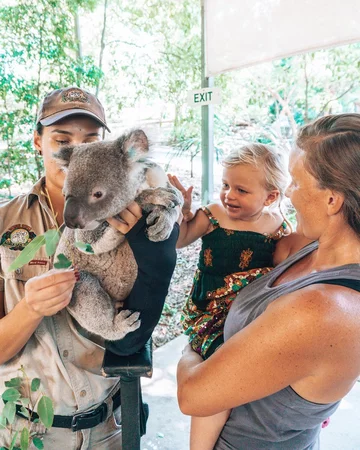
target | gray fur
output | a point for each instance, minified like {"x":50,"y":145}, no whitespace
{"x":122,"y":172}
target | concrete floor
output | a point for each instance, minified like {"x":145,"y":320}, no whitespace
{"x":168,"y":428}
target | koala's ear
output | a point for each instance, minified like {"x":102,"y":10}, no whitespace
{"x":136,"y":143}
{"x":63,"y":156}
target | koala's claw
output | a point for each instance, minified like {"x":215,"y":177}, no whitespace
{"x":127,"y":321}
{"x":161,"y":222}
{"x":168,"y":197}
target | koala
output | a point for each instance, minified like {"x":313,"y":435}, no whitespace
{"x":102,"y":178}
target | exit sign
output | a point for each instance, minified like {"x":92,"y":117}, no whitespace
{"x":206,"y":96}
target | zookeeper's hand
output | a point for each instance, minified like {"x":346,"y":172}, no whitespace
{"x":127,"y":218}
{"x":47,"y":294}
{"x":186,"y":193}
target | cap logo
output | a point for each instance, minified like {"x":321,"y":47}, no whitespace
{"x":75,"y":95}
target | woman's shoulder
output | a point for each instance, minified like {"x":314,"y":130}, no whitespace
{"x":12,"y":208}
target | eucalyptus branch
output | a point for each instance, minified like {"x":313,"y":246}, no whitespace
{"x":334,"y":100}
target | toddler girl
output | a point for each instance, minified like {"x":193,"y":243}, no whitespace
{"x":239,"y":235}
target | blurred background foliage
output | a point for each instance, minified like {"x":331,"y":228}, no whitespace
{"x":141,"y":58}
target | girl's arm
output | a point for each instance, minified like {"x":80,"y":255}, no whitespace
{"x":193,"y":230}
{"x":288,"y":343}
{"x":289,"y":245}
{"x":193,"y":225}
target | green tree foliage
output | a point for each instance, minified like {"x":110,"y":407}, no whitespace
{"x":148,"y":53}
{"x":271,"y":101}
{"x":37,"y":54}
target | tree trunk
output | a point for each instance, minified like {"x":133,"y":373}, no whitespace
{"x":79,"y":55}
{"x":102,"y":45}
{"x":306,"y":113}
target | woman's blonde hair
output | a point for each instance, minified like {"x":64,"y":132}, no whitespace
{"x":266,"y":157}
{"x":332,"y":156}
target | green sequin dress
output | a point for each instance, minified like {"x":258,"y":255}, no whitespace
{"x":229,"y":260}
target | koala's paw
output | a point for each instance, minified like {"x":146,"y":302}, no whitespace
{"x":125,"y":322}
{"x":169,"y":197}
{"x":160,"y":223}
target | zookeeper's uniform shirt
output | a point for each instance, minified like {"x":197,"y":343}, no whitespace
{"x":67,"y":362}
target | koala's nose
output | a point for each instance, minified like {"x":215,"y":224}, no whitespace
{"x":72,"y":216}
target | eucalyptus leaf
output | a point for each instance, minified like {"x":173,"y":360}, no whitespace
{"x":35,"y":384}
{"x":52,"y":238}
{"x":25,"y":412}
{"x":84,"y":247}
{"x":25,"y":401}
{"x":24,"y":439}
{"x":11,"y":395}
{"x":28,"y":253}
{"x":13,"y":441}
{"x":2,"y":422}
{"x":38,"y":443}
{"x":14,"y":382}
{"x":9,"y":411}
{"x":62,"y":262}
{"x":45,"y":410}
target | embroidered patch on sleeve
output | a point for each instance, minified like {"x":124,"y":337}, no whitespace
{"x":17,"y":237}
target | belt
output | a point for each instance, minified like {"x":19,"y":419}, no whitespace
{"x":81,"y":420}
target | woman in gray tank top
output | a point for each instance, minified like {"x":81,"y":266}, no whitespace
{"x":292,"y":338}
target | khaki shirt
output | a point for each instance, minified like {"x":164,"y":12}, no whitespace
{"x":67,"y":362}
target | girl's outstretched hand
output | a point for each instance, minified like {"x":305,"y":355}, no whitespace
{"x":186,"y":193}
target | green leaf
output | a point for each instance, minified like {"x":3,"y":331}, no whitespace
{"x":35,"y":384}
{"x":28,"y":253}
{"x":84,"y":247}
{"x":25,"y":412}
{"x":38,"y":443}
{"x":14,"y":382}
{"x":45,"y":410}
{"x":25,"y":401}
{"x":2,"y":422}
{"x":62,"y":262}
{"x":13,"y":441}
{"x":11,"y":395}
{"x":9,"y":411}
{"x":52,"y":238}
{"x":24,"y":439}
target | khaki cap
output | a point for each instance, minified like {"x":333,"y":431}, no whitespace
{"x":68,"y":101}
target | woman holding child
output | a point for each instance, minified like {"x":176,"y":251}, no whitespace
{"x":292,"y":337}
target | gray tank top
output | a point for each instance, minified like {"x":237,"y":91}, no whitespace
{"x":284,"y":420}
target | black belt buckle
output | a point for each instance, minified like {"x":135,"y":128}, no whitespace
{"x":89,"y":419}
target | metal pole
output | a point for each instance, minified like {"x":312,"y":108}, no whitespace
{"x":207,"y":126}
{"x":130,"y":412}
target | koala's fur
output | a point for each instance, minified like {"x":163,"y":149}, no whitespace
{"x":121,"y":171}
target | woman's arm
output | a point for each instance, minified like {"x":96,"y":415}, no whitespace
{"x":289,"y":342}
{"x":156,"y":262}
{"x":45,"y":295}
